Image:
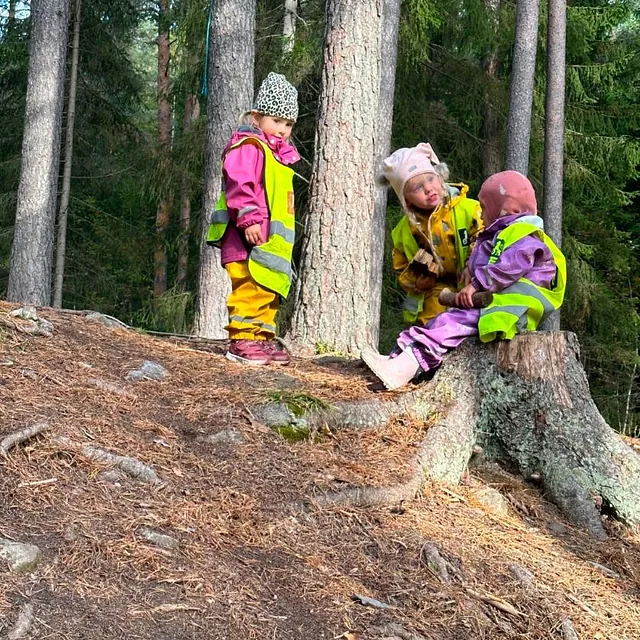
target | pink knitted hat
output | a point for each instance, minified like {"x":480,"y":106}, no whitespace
{"x":506,"y":193}
{"x":405,"y":163}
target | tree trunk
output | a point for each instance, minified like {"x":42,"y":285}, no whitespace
{"x":554,"y":130}
{"x":32,"y":249}
{"x":490,"y":126}
{"x":231,"y":55}
{"x":289,"y":26}
{"x":191,"y":114}
{"x":163,"y":212}
{"x":12,"y":11}
{"x":522,"y":79}
{"x":334,"y":292}
{"x":388,"y":56}
{"x":63,"y":214}
{"x":554,"y":120}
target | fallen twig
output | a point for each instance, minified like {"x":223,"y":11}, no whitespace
{"x":496,"y":602}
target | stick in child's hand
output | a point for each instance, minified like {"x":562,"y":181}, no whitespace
{"x":481,"y":299}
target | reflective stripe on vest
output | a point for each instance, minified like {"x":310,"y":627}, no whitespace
{"x":523,"y":305}
{"x":270,"y":263}
{"x":462,"y":215}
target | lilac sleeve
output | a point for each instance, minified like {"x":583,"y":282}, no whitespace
{"x":528,"y":257}
{"x":246,"y":200}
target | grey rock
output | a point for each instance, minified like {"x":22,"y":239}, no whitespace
{"x":148,"y":371}
{"x":28,"y":312}
{"x":107,"y":321}
{"x":492,"y":500}
{"x":112,"y":476}
{"x":227,"y":436}
{"x":159,"y":539}
{"x":522,"y":575}
{"x":21,"y":558}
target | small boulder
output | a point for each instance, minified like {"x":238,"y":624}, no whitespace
{"x":159,"y":539}
{"x":226,"y":436}
{"x":21,"y":558}
{"x":107,"y":321}
{"x":492,"y":500}
{"x":148,"y":371}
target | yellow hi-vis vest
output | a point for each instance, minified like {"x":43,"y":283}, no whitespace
{"x":523,"y":305}
{"x":270,"y":263}
{"x":463,"y":210}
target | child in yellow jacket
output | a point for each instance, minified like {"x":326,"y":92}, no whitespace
{"x":432,"y":241}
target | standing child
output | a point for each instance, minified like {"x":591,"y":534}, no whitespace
{"x":431,"y":242}
{"x":254,"y":223}
{"x":514,"y":259}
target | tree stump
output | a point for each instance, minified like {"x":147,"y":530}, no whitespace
{"x":535,"y":411}
{"x":527,"y":404}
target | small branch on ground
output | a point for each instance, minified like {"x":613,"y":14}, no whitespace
{"x":10,"y":441}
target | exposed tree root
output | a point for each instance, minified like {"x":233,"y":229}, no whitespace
{"x":527,"y":403}
{"x":10,"y":441}
{"x":131,"y":466}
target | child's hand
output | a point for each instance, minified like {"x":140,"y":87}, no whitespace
{"x":464,"y":298}
{"x":253,"y":234}
{"x":425,"y":282}
{"x":465,"y":277}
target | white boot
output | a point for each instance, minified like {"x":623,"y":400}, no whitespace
{"x":394,"y":372}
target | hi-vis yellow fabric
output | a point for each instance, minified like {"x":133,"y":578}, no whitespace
{"x":523,"y":305}
{"x":270,"y":263}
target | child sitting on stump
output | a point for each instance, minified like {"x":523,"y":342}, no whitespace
{"x":513,"y":259}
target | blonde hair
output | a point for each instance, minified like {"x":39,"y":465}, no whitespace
{"x":246,"y":119}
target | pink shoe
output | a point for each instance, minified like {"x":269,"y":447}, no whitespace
{"x":394,"y":372}
{"x":248,"y":352}
{"x":278,"y":354}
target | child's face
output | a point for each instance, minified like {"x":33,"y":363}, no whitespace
{"x":487,"y":218}
{"x":424,"y":191}
{"x":273,"y":126}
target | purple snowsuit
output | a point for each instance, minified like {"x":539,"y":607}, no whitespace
{"x":529,"y":258}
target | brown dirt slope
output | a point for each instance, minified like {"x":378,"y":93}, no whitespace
{"x":251,"y":562}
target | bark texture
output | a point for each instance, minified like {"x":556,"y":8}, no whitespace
{"x":388,"y":58}
{"x":231,"y":55}
{"x":521,"y":91}
{"x":163,"y":211}
{"x":333,"y":294}
{"x":191,"y":114}
{"x":491,"y":162}
{"x":289,"y":26}
{"x":63,"y":215}
{"x":32,"y":249}
{"x":554,"y":120}
{"x":554,"y":129}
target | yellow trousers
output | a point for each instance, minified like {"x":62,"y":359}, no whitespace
{"x":252,"y":308}
{"x":432,"y":307}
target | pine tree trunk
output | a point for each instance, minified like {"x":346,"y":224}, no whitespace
{"x":490,"y":126}
{"x":289,"y":26}
{"x":191,"y":114}
{"x":522,"y":81}
{"x":32,"y":249}
{"x":554,"y":120}
{"x":63,"y":214}
{"x":163,"y":212}
{"x":554,"y":129}
{"x":231,"y":55}
{"x":12,"y":11}
{"x":333,"y":294}
{"x":389,"y":55}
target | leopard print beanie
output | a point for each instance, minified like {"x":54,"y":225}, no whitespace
{"x":277,"y":98}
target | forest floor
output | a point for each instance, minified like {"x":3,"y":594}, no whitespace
{"x":243,"y":558}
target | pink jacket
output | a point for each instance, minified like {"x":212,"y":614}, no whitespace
{"x":243,"y":173}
